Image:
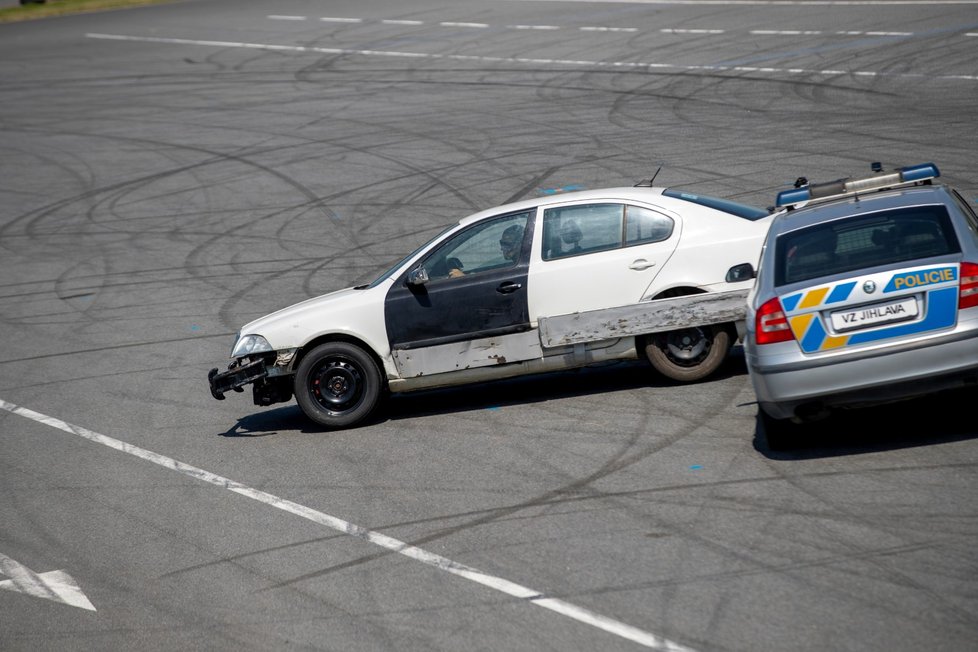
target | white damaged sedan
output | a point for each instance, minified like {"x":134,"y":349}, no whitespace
{"x":468,"y":306}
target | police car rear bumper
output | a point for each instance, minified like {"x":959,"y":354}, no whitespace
{"x":785,"y":391}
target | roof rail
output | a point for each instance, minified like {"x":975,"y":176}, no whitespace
{"x":805,"y":192}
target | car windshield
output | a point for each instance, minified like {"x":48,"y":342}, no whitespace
{"x":740,"y":210}
{"x":882,"y":238}
{"x":396,"y":266}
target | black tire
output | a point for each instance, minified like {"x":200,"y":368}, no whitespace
{"x":338,"y":384}
{"x":780,"y":434}
{"x":689,"y":354}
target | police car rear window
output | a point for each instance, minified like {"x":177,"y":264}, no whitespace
{"x":883,"y":238}
{"x":740,"y":210}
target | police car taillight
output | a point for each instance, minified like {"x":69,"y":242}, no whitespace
{"x":968,"y":293}
{"x":772,"y":324}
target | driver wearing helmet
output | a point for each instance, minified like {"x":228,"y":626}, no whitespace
{"x":509,"y":244}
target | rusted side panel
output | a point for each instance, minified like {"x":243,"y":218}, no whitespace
{"x":642,"y":318}
{"x":457,"y":356}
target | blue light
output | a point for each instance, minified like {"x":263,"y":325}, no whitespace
{"x":919,"y":172}
{"x":793,"y":196}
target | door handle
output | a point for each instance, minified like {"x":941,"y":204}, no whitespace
{"x":508,"y":286}
{"x":640,"y":264}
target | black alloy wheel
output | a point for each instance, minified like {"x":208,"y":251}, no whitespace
{"x":337,"y":384}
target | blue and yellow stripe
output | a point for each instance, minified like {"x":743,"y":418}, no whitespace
{"x":802,"y":309}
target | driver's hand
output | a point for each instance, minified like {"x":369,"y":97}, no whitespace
{"x":455,"y":273}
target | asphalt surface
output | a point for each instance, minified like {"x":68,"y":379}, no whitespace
{"x":166,"y":176}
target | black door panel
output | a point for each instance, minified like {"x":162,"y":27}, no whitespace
{"x":486,"y":297}
{"x":456,"y":309}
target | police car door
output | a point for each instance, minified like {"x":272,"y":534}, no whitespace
{"x":452,"y":310}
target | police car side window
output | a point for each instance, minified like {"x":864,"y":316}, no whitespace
{"x":969,"y":215}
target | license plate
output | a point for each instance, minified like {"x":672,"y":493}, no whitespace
{"x":880,"y":313}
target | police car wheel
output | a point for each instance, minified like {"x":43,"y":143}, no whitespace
{"x":689,"y":354}
{"x":337,"y":385}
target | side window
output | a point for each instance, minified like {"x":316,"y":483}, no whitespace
{"x":643,"y":226}
{"x":493,"y":244}
{"x":970,"y":218}
{"x":573,"y":230}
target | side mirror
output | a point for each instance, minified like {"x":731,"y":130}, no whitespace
{"x":417,"y":276}
{"x":741,"y":272}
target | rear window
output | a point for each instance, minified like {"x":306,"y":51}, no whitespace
{"x":883,"y":238}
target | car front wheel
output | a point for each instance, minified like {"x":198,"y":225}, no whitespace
{"x":337,"y":384}
{"x":689,"y":354}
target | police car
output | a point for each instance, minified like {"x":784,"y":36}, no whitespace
{"x":866,"y":291}
{"x":467,"y":306}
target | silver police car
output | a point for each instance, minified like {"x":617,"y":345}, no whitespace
{"x":867,"y":292}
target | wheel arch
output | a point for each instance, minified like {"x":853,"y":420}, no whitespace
{"x":669,"y":293}
{"x":679,"y":291}
{"x":340,"y":337}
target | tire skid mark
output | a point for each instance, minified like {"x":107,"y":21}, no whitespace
{"x":871,"y":556}
{"x":629,"y":453}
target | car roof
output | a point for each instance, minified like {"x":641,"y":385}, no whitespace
{"x":827,"y":211}
{"x":627,"y":193}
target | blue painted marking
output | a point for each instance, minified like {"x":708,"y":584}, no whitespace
{"x":194,"y":327}
{"x":840,"y":292}
{"x":921,"y":278}
{"x":554,"y":191}
{"x":942,"y":310}
{"x":696,"y":467}
{"x":790,"y":303}
{"x":814,"y":337}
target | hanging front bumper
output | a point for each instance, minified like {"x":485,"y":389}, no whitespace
{"x":235,"y":377}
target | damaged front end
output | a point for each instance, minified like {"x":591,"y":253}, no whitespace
{"x":269,"y":373}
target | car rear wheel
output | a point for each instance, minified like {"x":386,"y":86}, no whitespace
{"x":337,"y":384}
{"x":689,"y":354}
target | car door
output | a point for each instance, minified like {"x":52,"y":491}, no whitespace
{"x":472,"y":286}
{"x":598,"y":255}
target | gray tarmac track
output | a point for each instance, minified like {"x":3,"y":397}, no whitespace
{"x":166,"y":177}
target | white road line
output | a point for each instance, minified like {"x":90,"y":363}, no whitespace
{"x":513,"y":589}
{"x":636,"y":65}
{"x":677,"y":30}
{"x":608,"y":29}
{"x":55,"y":585}
{"x":798,"y":32}
{"x":598,"y":28}
{"x":453,"y":24}
{"x":856,"y":33}
{"x":784,"y":32}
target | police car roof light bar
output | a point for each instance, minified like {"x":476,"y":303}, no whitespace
{"x":913,"y":174}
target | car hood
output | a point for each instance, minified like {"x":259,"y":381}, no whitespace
{"x":358,"y":312}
